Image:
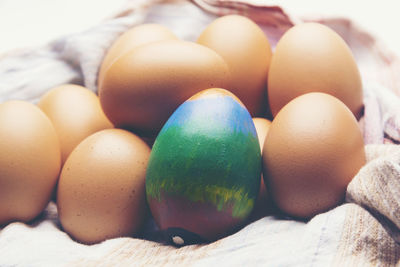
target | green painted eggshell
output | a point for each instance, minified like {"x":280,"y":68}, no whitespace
{"x":204,"y":171}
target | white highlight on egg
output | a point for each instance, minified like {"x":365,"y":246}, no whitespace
{"x":178,"y":240}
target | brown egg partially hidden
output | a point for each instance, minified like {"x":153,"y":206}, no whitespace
{"x":75,"y":112}
{"x":30,"y":161}
{"x":263,"y":202}
{"x":144,"y":87}
{"x":137,"y":36}
{"x":311,"y":57}
{"x":313,"y":149}
{"x":246,"y":50}
{"x":101,"y":192}
{"x":262,"y":127}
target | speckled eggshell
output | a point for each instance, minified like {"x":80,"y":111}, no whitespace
{"x":75,"y":113}
{"x":101,"y":192}
{"x":30,"y":161}
{"x":313,"y":149}
{"x":246,"y":50}
{"x":204,"y":170}
{"x":134,"y":37}
{"x":143,"y":88}
{"x":310,"y":57}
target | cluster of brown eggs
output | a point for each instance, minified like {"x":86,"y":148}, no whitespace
{"x":311,"y":150}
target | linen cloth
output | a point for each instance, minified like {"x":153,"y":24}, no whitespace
{"x":362,"y":232}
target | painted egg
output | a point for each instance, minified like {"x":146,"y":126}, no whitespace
{"x":204,"y":170}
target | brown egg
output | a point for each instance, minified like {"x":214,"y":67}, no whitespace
{"x":137,"y":36}
{"x":143,"y":88}
{"x":75,"y":112}
{"x":313,"y":149}
{"x":262,"y":126}
{"x":263,"y":202}
{"x":311,"y":57}
{"x":29,"y":161}
{"x":246,"y":50}
{"x":101,"y":192}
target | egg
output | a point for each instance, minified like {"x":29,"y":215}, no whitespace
{"x":101,"y":191}
{"x":313,"y":149}
{"x":246,"y":49}
{"x":75,"y":113}
{"x":136,"y":36}
{"x":204,"y":170}
{"x":144,"y":87}
{"x":263,"y":202}
{"x":311,"y":57}
{"x":262,"y":126}
{"x":30,"y":161}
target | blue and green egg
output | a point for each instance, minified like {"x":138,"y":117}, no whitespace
{"x":204,"y":171}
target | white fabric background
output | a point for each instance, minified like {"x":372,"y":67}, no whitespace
{"x":25,"y":23}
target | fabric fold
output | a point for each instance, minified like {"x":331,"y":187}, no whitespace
{"x":377,"y":189}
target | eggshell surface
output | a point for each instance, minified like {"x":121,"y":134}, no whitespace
{"x":204,"y":170}
{"x":311,"y":57}
{"x":313,"y":149}
{"x":75,"y":113}
{"x":263,"y":202}
{"x":262,"y":126}
{"x":246,"y":50}
{"x":143,"y":88}
{"x":134,"y":37}
{"x":101,"y":192}
{"x":29,"y":161}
